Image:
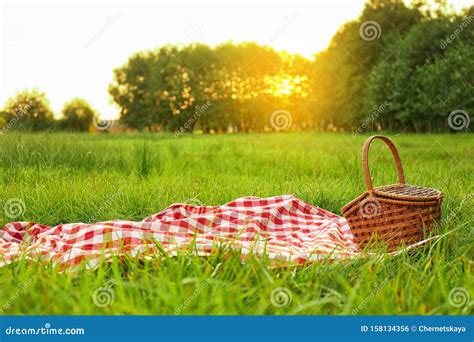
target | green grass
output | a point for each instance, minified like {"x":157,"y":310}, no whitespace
{"x":68,"y":178}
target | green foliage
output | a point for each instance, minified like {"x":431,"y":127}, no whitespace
{"x":77,"y":115}
{"x":341,"y":71}
{"x":28,"y":111}
{"x":169,"y":87}
{"x":396,"y":67}
{"x":426,"y":78}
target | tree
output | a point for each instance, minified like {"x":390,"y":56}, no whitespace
{"x":29,"y":110}
{"x":341,"y":71}
{"x":152,"y":88}
{"x":77,"y":115}
{"x":427,"y":78}
{"x":170,"y":87}
{"x":388,"y":69}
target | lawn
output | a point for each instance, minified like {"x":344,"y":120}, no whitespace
{"x":78,"y":177}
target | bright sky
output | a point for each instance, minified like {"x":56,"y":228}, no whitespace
{"x":70,"y":49}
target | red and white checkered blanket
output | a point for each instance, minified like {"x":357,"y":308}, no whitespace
{"x":283,"y":227}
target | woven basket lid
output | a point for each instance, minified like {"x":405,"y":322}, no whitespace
{"x":407,"y":192}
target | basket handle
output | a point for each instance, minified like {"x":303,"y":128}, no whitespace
{"x":365,"y":160}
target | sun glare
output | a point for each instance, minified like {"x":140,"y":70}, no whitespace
{"x":286,"y":85}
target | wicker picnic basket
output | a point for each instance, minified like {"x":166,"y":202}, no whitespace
{"x":394,"y":215}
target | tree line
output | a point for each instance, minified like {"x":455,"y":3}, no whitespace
{"x":396,"y":67}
